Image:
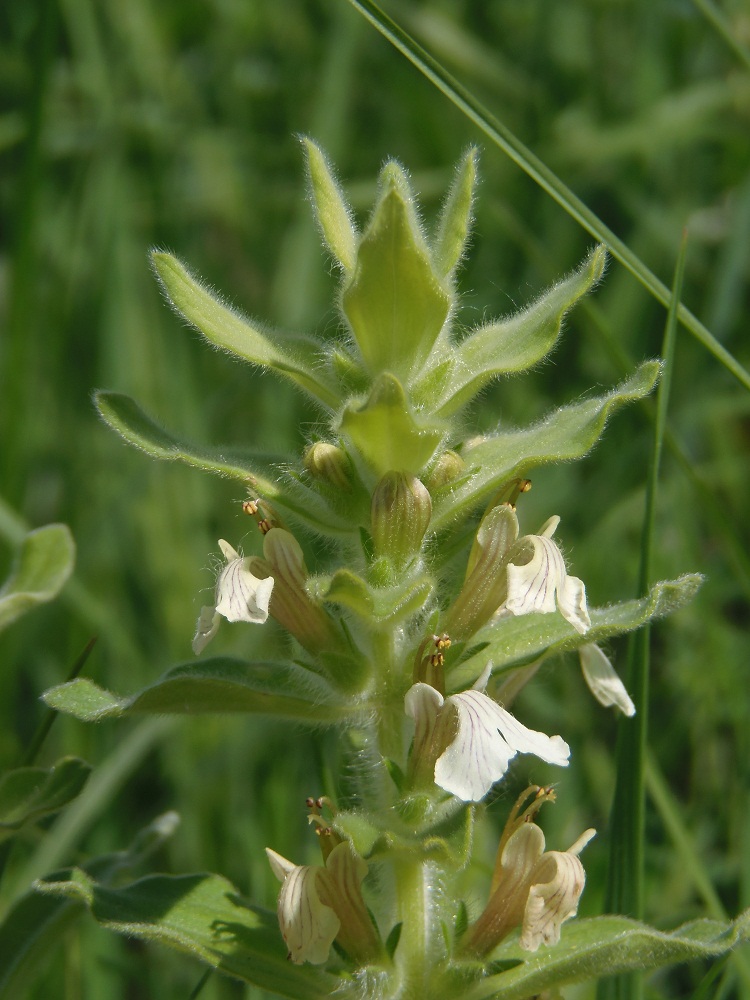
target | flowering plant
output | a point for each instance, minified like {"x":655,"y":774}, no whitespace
{"x":416,"y":669}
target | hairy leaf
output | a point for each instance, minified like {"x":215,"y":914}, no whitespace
{"x":214,"y":685}
{"x":603,"y":946}
{"x":521,"y":639}
{"x":520,"y":341}
{"x":297,"y":357}
{"x":563,"y":435}
{"x":200,"y":915}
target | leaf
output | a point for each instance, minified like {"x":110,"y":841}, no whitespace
{"x":36,"y":923}
{"x":334,"y":214}
{"x":43,"y":564}
{"x":299,"y":358}
{"x":520,"y":341}
{"x":520,"y":639}
{"x":213,"y":685}
{"x":386,"y":433}
{"x":393,"y":301}
{"x":201,"y":915}
{"x":563,"y":435}
{"x":28,"y":793}
{"x":125,"y":416}
{"x":603,"y":946}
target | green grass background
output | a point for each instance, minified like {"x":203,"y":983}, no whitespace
{"x":130,"y":125}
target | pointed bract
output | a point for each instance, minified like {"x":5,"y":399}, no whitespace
{"x":455,"y":218}
{"x":334,"y":214}
{"x":393,"y":301}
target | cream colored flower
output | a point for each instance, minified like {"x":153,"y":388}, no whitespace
{"x":240,"y":597}
{"x":538,"y":580}
{"x":533,"y":889}
{"x":319,"y":904}
{"x":308,"y":926}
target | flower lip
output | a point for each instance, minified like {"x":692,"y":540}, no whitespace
{"x":602,"y":679}
{"x":538,"y":580}
{"x":240,"y":597}
{"x":482,"y":738}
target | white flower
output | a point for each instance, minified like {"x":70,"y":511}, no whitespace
{"x":484,"y":738}
{"x":240,"y":597}
{"x":602,"y":679}
{"x":538,"y":581}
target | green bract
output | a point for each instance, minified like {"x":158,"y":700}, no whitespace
{"x":395,"y":639}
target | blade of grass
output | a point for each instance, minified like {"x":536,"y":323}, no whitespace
{"x":669,"y":813}
{"x":718,"y":21}
{"x":539,"y":172}
{"x":50,"y":715}
{"x":624,"y":891}
{"x":98,"y":794}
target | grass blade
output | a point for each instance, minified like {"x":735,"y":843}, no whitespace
{"x":502,"y":137}
{"x":624,"y":891}
{"x":718,"y":21}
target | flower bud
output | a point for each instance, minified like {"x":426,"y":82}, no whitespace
{"x":449,"y":466}
{"x":329,"y":463}
{"x":401,"y":511}
{"x":485,"y":586}
{"x":290,"y":603}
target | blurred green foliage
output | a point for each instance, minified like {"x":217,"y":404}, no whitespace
{"x":130,"y":125}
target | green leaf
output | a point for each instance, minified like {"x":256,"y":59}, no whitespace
{"x":563,"y":435}
{"x":28,"y":793}
{"x":298,"y":358}
{"x":520,"y":341}
{"x":386,"y":433}
{"x":43,"y":564}
{"x":520,"y":639}
{"x":126,"y":417}
{"x":36,"y":923}
{"x":200,"y":915}
{"x":334,"y":215}
{"x":604,"y":946}
{"x":378,"y":604}
{"x":393,"y":301}
{"x":215,"y":685}
{"x":455,"y":218}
